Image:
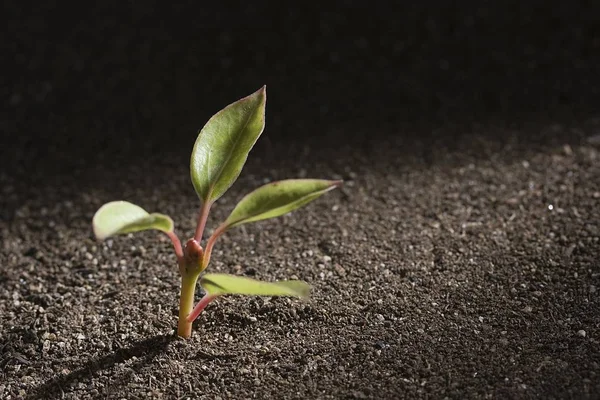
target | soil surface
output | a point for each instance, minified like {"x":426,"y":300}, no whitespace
{"x":460,"y":276}
{"x":459,"y":260}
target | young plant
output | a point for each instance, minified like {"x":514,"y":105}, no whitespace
{"x":218,"y":156}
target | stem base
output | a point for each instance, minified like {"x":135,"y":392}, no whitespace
{"x":186,"y":304}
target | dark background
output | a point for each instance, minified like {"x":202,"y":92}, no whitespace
{"x":85,"y":83}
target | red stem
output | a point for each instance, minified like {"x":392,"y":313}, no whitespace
{"x":177,"y":245}
{"x":200,"y":307}
{"x":202,"y":220}
{"x":211,"y":243}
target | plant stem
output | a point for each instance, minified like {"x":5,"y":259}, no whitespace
{"x":200,"y":307}
{"x":176,"y":245}
{"x":210,"y":244}
{"x":202,"y":220}
{"x":186,"y":304}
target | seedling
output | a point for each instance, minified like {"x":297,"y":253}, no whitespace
{"x":218,"y":157}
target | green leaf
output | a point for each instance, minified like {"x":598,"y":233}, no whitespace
{"x":222,"y":146}
{"x":277,"y":198}
{"x":119,"y":217}
{"x":219,"y":284}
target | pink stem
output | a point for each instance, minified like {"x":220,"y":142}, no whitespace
{"x":177,"y":245}
{"x":211,"y":243}
{"x":200,"y":307}
{"x":202,"y":220}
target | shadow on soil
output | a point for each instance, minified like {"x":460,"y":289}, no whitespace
{"x":146,"y":350}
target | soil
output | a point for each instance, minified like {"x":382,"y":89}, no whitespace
{"x":459,"y":260}
{"x":465,"y":276}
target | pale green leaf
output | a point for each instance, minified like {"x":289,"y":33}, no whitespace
{"x":278,"y":198}
{"x":219,"y":284}
{"x":222,"y":146}
{"x":123,"y":217}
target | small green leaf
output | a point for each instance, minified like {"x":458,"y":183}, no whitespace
{"x":219,"y":284}
{"x":119,"y":217}
{"x":278,"y":198}
{"x":222,"y":146}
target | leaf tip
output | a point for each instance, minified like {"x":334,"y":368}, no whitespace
{"x":304,"y":292}
{"x":261,"y":93}
{"x":99,"y":237}
{"x":99,"y":233}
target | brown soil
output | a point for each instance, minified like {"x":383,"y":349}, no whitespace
{"x":463,"y":276}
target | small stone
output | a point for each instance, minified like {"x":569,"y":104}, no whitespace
{"x":528,"y":309}
{"x":569,"y":250}
{"x":340,"y":270}
{"x":81,"y":336}
{"x":252,"y":319}
{"x":380,"y":345}
{"x":308,"y":253}
{"x":326,"y":259}
{"x":380,"y":317}
{"x":49,"y":336}
{"x":581,"y":333}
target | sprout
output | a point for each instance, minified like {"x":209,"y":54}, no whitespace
{"x":218,"y":156}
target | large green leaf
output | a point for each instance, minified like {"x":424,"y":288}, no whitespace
{"x":123,"y":217}
{"x":222,"y":146}
{"x":219,"y":284}
{"x":278,"y":198}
